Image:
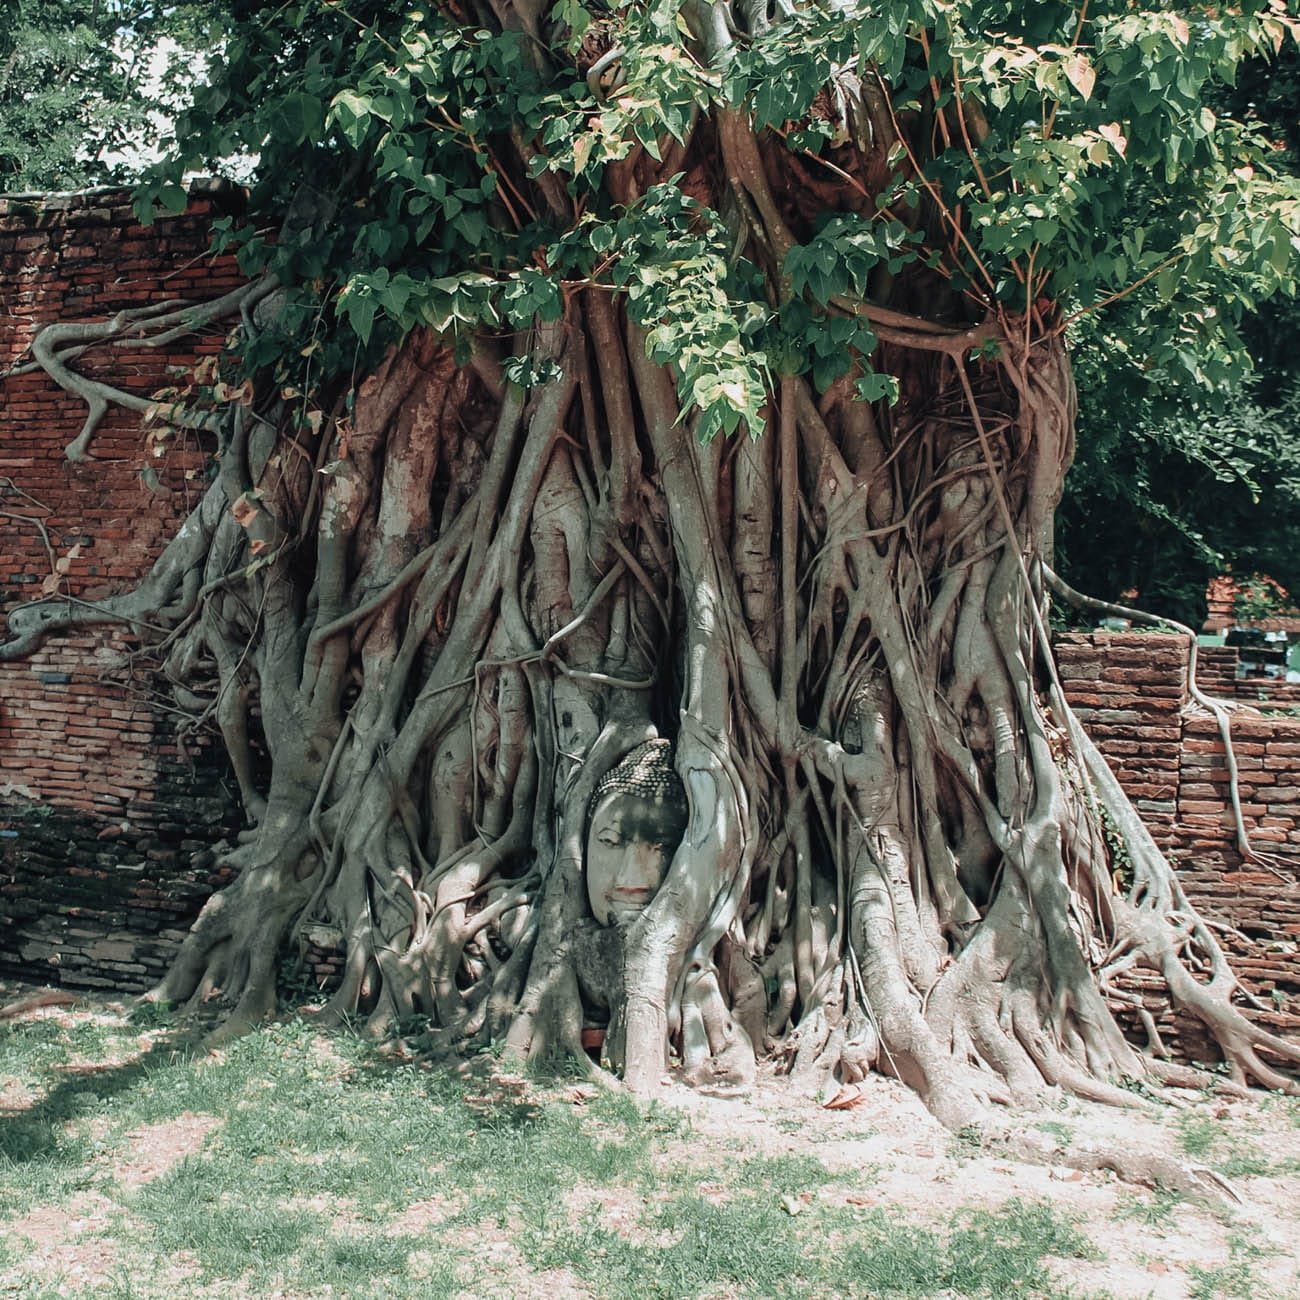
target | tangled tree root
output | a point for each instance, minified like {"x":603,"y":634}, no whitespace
{"x":430,"y":618}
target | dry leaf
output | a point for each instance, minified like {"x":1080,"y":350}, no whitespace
{"x":845,"y":1099}
{"x":243,"y":510}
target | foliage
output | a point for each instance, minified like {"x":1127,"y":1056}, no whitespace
{"x":1258,"y":597}
{"x":81,"y":82}
{"x":1169,"y":491}
{"x":1095,"y":169}
{"x":1177,"y":481}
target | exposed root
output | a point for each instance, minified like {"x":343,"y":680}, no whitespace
{"x":428,"y":625}
{"x":35,"y":1001}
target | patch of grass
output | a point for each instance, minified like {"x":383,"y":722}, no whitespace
{"x":1197,"y":1134}
{"x":322,"y":1145}
{"x":786,"y":1175}
{"x":373,"y":1264}
{"x":1156,"y":1210}
{"x":966,"y":1143}
{"x":990,"y":1252}
{"x":749,"y":1245}
{"x":229,"y":1237}
{"x":1235,"y":1280}
{"x":1233,"y":1156}
{"x":1063,"y":1133}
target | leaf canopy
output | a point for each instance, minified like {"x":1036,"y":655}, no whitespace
{"x":1072,"y":160}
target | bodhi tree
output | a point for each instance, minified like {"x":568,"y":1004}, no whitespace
{"x":620,"y":588}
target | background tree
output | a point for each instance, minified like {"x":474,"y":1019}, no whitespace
{"x":85,"y":83}
{"x":1178,"y":480}
{"x":692,"y":372}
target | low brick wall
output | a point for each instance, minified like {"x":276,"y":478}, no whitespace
{"x":1217,"y":674}
{"x":1131,"y":692}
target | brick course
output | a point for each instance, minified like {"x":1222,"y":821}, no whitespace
{"x":1178,"y":752}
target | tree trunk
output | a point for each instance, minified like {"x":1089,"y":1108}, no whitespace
{"x":457,"y":605}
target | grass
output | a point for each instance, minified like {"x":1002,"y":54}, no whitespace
{"x":1235,"y":1280}
{"x":327,"y":1171}
{"x":1211,"y":1142}
{"x":1155,"y":1210}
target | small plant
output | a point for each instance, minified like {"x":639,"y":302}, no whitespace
{"x":966,"y":1143}
{"x":1198,"y":1134}
{"x":1121,"y":863}
{"x":1156,"y":1210}
{"x":1063,"y":1133}
{"x":1235,"y":1280}
{"x":150,"y":1014}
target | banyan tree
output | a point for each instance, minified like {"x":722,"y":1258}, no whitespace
{"x":622,"y":585}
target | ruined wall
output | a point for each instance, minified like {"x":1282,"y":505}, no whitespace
{"x":1218,"y":675}
{"x":1130,"y":689}
{"x":106,"y":818}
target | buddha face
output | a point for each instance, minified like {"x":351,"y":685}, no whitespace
{"x":638,"y":818}
{"x":629,"y":846}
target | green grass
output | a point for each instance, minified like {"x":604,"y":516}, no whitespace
{"x":1155,"y":1210}
{"x":1235,"y":1280}
{"x":1211,"y":1142}
{"x":318,"y":1148}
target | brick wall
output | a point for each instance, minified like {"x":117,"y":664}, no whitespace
{"x":107,"y":821}
{"x":1130,"y":689}
{"x":1218,"y":672}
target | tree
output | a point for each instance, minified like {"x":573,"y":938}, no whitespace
{"x":1176,"y":482}
{"x":692,"y":374}
{"x":82,"y":80}
{"x":1171,"y":489}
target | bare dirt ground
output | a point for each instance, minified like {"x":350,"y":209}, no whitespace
{"x":77,"y":1233}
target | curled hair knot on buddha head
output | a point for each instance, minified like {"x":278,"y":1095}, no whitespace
{"x":646,"y":772}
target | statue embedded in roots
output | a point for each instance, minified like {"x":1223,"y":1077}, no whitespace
{"x":466,"y":600}
{"x":638,"y":817}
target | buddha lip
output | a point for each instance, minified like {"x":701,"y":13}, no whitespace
{"x":630,"y":892}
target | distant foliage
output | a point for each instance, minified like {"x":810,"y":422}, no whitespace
{"x":80,"y":82}
{"x":1181,"y":477}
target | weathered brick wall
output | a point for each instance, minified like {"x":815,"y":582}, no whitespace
{"x":1217,"y":674}
{"x":106,"y":822}
{"x":1130,"y":690}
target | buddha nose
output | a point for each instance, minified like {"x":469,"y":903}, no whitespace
{"x":643,"y":866}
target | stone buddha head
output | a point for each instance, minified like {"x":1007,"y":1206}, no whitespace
{"x":638,"y":818}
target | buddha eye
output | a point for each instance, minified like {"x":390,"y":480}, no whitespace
{"x":610,"y":839}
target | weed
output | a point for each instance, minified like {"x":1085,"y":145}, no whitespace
{"x":1235,"y":1280}
{"x":966,"y":1143}
{"x":1156,"y":1210}
{"x":1197,"y":1134}
{"x":1063,"y":1133}
{"x":151,"y":1015}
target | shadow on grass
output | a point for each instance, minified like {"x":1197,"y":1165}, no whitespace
{"x":36,"y":1133}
